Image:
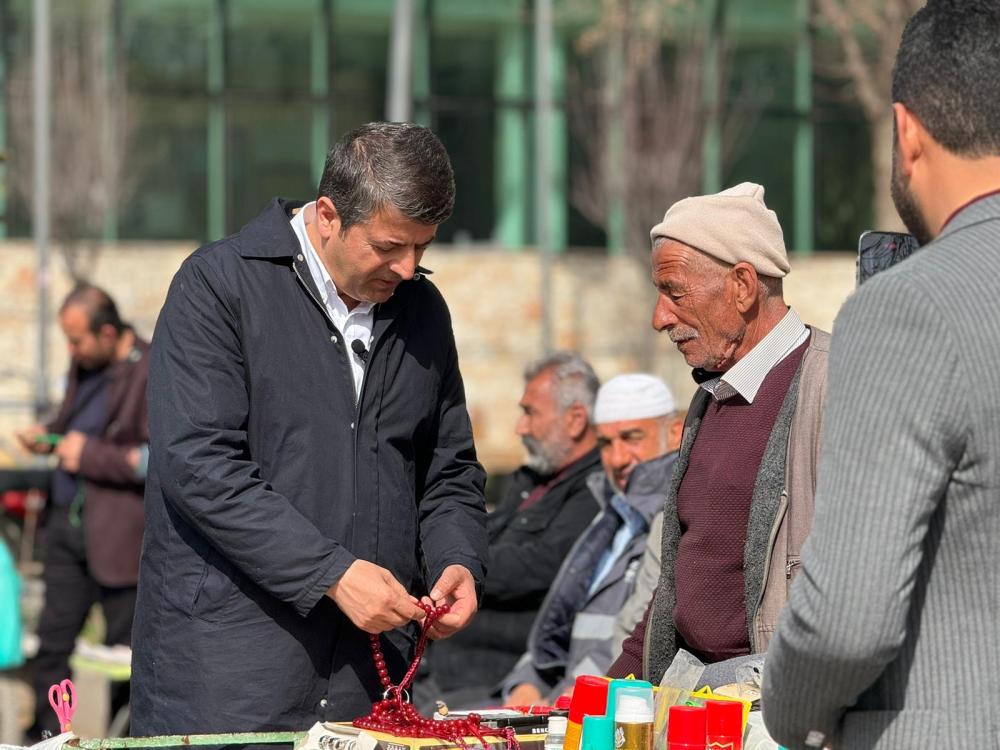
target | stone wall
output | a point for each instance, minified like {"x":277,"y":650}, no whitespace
{"x":601,"y":306}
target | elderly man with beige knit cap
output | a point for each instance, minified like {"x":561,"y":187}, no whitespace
{"x":740,"y":502}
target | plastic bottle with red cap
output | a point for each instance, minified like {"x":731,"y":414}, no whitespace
{"x":724,"y":725}
{"x":686,"y":728}
{"x":590,"y":698}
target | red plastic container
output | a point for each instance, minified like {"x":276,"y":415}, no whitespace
{"x":724,"y":725}
{"x":590,"y":698}
{"x":686,"y":728}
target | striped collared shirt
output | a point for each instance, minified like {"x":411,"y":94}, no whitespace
{"x":745,"y":377}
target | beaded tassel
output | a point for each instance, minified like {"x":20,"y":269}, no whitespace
{"x":396,"y":716}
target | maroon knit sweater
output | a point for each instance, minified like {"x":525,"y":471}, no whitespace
{"x":713,"y":507}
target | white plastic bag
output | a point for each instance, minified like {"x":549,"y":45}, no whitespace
{"x":680,"y":680}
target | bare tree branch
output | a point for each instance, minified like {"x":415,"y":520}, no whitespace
{"x":90,"y":131}
{"x":868,"y":35}
{"x":862,"y":72}
{"x":637,"y":108}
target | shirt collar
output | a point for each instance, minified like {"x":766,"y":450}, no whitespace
{"x":632,"y":518}
{"x":965,"y":205}
{"x":325,"y":284}
{"x":746,"y":376}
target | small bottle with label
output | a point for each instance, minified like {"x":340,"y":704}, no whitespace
{"x":598,"y":733}
{"x":634,"y":718}
{"x":556,"y":737}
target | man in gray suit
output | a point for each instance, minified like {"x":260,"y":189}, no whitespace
{"x":890,"y":637}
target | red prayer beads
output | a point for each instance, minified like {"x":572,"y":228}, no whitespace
{"x":396,"y":716}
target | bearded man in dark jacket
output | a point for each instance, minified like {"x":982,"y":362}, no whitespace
{"x":546,"y":507}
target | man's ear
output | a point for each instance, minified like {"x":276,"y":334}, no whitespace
{"x":744,"y":276}
{"x":674,"y":433}
{"x":909,"y":137}
{"x":327,"y":218}
{"x":576,"y":422}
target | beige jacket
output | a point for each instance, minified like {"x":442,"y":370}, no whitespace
{"x":791,"y":527}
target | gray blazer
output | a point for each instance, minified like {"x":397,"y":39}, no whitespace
{"x":890,"y":637}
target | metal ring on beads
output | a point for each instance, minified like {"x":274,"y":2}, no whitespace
{"x":398,"y":691}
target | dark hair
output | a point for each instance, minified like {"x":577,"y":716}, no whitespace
{"x":948,"y":74}
{"x":101,"y":309}
{"x":389,"y":163}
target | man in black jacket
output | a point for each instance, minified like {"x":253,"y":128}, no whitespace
{"x":545,"y":509}
{"x":312,"y":470}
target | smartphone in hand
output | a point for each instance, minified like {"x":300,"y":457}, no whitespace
{"x":878,"y":251}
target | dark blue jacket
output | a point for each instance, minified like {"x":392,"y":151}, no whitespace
{"x":571,"y":635}
{"x":267,"y":481}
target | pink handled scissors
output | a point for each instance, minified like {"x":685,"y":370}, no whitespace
{"x":62,"y":698}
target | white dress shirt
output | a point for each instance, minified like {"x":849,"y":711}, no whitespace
{"x":747,"y":375}
{"x":352,"y":324}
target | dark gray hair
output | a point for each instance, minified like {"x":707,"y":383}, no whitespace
{"x":573,"y":380}
{"x":947,"y":73}
{"x":100,"y":308}
{"x":384,"y":164}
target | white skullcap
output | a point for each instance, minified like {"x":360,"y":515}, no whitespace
{"x":634,"y":395}
{"x":733,"y":226}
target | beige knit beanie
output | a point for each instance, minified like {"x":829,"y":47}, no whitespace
{"x":733,"y":226}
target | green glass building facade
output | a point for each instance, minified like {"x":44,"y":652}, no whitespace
{"x":236,"y":101}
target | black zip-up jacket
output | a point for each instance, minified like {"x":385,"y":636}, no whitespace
{"x":267,"y":481}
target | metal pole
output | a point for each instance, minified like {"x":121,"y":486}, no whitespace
{"x":613,"y":101}
{"x":399,"y":98}
{"x":421,"y":81}
{"x":4,"y":183}
{"x":216,"y":152}
{"x":319,"y":85}
{"x":715,"y":11}
{"x":543,"y":160}
{"x":511,"y":186}
{"x":114,"y":103}
{"x":41,"y":219}
{"x":804,"y":132}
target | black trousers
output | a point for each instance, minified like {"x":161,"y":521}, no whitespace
{"x":70,"y":592}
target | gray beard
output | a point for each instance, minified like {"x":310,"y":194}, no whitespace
{"x":544,"y":458}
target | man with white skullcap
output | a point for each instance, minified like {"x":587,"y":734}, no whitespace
{"x":739,"y":507}
{"x":638,"y":431}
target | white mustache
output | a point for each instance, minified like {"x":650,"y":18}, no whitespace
{"x":681,"y":334}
